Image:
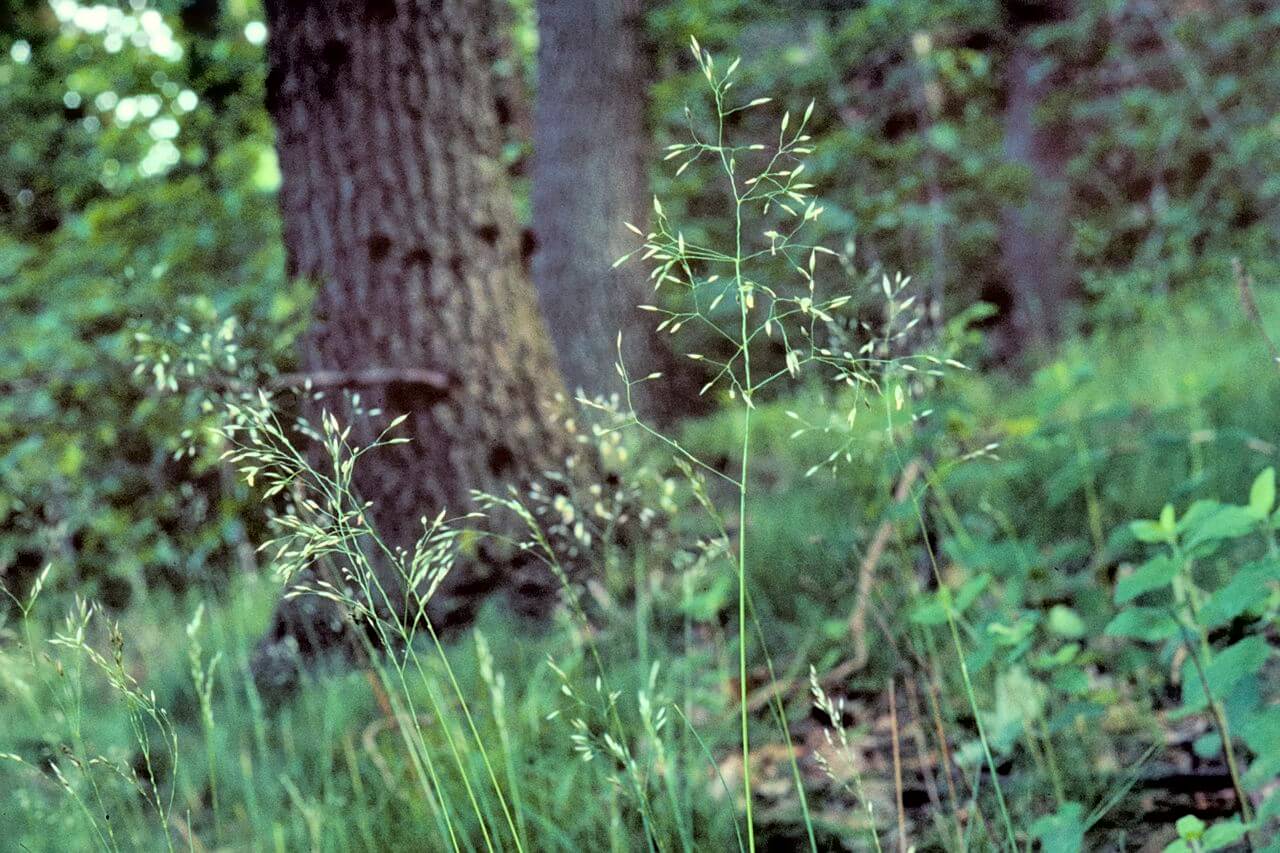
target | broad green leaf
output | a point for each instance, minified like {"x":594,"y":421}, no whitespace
{"x":1235,"y":662}
{"x":1270,"y":808}
{"x":1196,"y":514}
{"x":934,"y":610}
{"x":930,"y":612}
{"x":1207,"y":746}
{"x":1223,"y":673}
{"x":1262,"y":495}
{"x":1150,"y":624}
{"x":1261,"y":733}
{"x":1263,"y":770}
{"x":1019,"y":700}
{"x":1062,"y":656}
{"x":968,"y":593}
{"x":1248,"y":587}
{"x":1218,"y":522}
{"x":1190,"y":828}
{"x":1065,"y":622}
{"x":1223,"y":834}
{"x":1012,"y":635}
{"x":1156,"y":573}
{"x":1148,"y":531}
{"x":1071,"y":680}
{"x":1062,"y":831}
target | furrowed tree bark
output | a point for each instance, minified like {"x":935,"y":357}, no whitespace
{"x":396,"y":205}
{"x":589,"y":177}
{"x":1035,"y":235}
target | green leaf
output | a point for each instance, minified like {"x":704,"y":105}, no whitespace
{"x":1269,"y":809}
{"x":1148,"y":531}
{"x":1065,"y":622}
{"x":970,"y":591}
{"x":1207,"y":746}
{"x":1070,"y":680}
{"x":1262,"y":495}
{"x":1208,"y":522}
{"x":1226,"y":670}
{"x":1015,"y":635}
{"x":1190,"y":828}
{"x":1223,"y":834}
{"x":1234,"y":663}
{"x":1156,"y":573}
{"x":1247,"y":588}
{"x":1062,"y":831}
{"x":929,"y":612}
{"x":1019,"y":700}
{"x":1061,"y":657}
{"x":934,"y":610}
{"x":1261,"y":731}
{"x":1196,"y":514}
{"x":1150,"y":624}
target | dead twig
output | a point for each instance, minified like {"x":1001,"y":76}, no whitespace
{"x":867,"y":571}
{"x":1244,"y":283}
{"x":897,"y":768}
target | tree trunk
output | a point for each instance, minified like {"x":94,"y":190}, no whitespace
{"x":396,"y":206}
{"x":590,"y":176}
{"x":1035,"y":235}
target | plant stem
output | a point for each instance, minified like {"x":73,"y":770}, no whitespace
{"x":742,"y":620}
{"x":745,"y":343}
{"x":1224,"y":732}
{"x":780,"y":714}
{"x":982,"y":731}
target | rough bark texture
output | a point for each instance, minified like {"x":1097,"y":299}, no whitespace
{"x":1035,"y":236}
{"x":396,"y":206}
{"x":589,"y":176}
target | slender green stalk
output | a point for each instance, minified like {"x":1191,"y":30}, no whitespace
{"x":715,"y":767}
{"x":1050,"y":754}
{"x":744,"y":343}
{"x":742,"y":626}
{"x":1224,"y":731}
{"x":982,"y":730}
{"x":780,"y":715}
{"x":420,"y":756}
{"x":351,"y":548}
{"x":475,"y":733}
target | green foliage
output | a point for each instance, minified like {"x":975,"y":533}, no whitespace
{"x":149,"y":201}
{"x":1222,"y":680}
{"x":1193,"y":834}
{"x":1167,"y":117}
{"x":1061,"y":832}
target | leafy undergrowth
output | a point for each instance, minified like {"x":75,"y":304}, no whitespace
{"x":1110,"y":643}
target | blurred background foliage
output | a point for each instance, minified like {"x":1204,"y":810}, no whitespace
{"x":139,"y":178}
{"x":138,"y":188}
